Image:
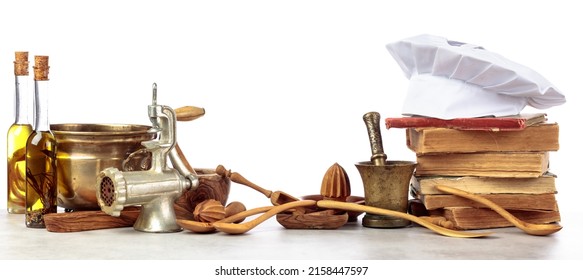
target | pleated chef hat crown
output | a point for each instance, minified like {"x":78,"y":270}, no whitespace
{"x":450,"y":79}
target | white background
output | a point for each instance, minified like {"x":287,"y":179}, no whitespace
{"x":284,"y":83}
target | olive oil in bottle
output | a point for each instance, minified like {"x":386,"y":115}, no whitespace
{"x":16,"y":139}
{"x":41,"y":154}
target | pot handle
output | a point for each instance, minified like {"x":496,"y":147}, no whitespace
{"x":139,"y":160}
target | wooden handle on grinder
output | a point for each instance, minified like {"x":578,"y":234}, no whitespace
{"x":189,"y":113}
{"x":372,"y":122}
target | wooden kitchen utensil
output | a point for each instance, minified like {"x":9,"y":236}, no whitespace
{"x":232,"y":228}
{"x":90,"y":220}
{"x":335,"y":186}
{"x":323,"y":219}
{"x":203,"y":227}
{"x":532,"y":229}
{"x":379,"y":211}
{"x":277,"y":197}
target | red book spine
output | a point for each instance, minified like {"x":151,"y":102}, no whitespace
{"x":461,"y":123}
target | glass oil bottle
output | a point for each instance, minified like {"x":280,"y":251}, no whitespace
{"x":41,"y":154}
{"x":17,"y":135}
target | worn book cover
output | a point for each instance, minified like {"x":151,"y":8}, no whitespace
{"x":488,"y":164}
{"x":539,"y":137}
{"x":546,"y":201}
{"x":482,"y":218}
{"x":515,"y":122}
{"x":486,"y":185}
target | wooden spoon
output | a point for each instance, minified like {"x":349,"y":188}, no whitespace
{"x":533,"y":229}
{"x":379,"y":211}
{"x":194,"y":226}
{"x":202,"y":227}
{"x":231,"y":228}
{"x":277,"y":197}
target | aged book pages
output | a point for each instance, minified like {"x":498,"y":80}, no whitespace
{"x":540,"y":137}
{"x":546,"y":201}
{"x":481,"y":218}
{"x":493,"y":164}
{"x":486,"y":185}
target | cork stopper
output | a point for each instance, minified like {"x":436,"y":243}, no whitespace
{"x":41,"y":68}
{"x":21,"y":63}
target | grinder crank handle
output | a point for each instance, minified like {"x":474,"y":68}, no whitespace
{"x":189,"y":113}
{"x":372,"y":122}
{"x":179,"y":161}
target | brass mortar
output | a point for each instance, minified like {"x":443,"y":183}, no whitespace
{"x":386,"y":183}
{"x":387,"y":187}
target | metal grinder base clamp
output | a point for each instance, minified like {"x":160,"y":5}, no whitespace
{"x":154,"y":189}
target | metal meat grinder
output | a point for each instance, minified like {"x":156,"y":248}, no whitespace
{"x":155,"y":189}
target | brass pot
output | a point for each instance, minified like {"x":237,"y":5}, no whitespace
{"x":84,"y":150}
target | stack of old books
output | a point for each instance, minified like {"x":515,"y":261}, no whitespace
{"x":505,"y":160}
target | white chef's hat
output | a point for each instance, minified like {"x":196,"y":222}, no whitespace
{"x":450,"y":79}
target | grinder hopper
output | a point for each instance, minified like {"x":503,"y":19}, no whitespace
{"x":386,"y":183}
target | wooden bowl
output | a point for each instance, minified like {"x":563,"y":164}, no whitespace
{"x":211,"y":186}
{"x":324,"y":219}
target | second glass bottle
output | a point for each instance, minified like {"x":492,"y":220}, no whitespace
{"x":41,"y":154}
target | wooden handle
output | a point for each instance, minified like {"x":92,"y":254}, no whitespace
{"x":237,"y":178}
{"x":236,"y":218}
{"x":379,"y":211}
{"x":440,"y":221}
{"x":533,"y":229}
{"x":372,"y":122}
{"x":183,"y":158}
{"x":279,"y":198}
{"x":200,"y":227}
{"x":231,"y":228}
{"x":189,"y":113}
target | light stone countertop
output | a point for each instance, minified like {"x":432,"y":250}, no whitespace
{"x":270,"y":241}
